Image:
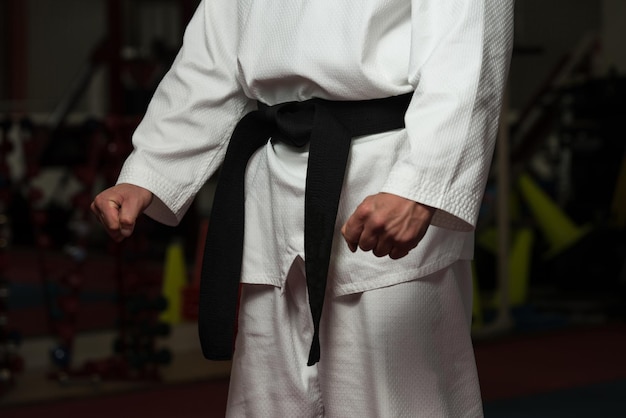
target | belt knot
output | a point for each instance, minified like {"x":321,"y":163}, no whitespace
{"x":292,"y":121}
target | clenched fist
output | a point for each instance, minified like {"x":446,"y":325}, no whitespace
{"x":118,"y":208}
{"x":387,"y":224}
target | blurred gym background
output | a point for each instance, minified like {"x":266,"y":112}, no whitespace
{"x":93,"y":328}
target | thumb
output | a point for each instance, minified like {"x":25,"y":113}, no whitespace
{"x":128,"y":214}
{"x":118,"y":208}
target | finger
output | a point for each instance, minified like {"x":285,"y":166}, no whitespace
{"x":111,"y":222}
{"x":383,"y":248}
{"x":351,"y":232}
{"x":353,"y":246}
{"x":397,"y":253}
{"x":128,"y":214}
{"x":374,"y":233}
{"x":97,"y":212}
{"x":127,"y":218}
{"x":107,"y":213}
{"x":402,"y":247}
{"x":368,"y":240}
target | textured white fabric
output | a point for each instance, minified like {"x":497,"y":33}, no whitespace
{"x":453,"y":53}
{"x":393,"y":351}
{"x":400,"y":351}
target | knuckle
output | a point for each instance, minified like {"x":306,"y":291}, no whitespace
{"x":97,"y":201}
{"x":377,"y":223}
{"x":348,"y":234}
{"x":366,"y":207}
{"x":407,"y":240}
{"x":404,"y":242}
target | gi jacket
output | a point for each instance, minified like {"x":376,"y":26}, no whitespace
{"x":454,"y":56}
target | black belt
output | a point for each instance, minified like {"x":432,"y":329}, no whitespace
{"x":328,"y":127}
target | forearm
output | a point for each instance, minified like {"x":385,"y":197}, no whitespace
{"x":459,"y":67}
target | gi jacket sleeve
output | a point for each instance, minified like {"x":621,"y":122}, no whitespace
{"x":182,"y":139}
{"x":460,"y":54}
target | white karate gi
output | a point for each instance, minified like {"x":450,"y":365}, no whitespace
{"x":454,"y":54}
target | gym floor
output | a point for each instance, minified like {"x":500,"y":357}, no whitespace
{"x":572,"y":372}
{"x":554,"y":368}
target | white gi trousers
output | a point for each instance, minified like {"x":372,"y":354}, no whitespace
{"x":398,"y":351}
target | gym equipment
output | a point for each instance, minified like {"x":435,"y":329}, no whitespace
{"x":559,"y":230}
{"x":174,"y":281}
{"x":11,"y":363}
